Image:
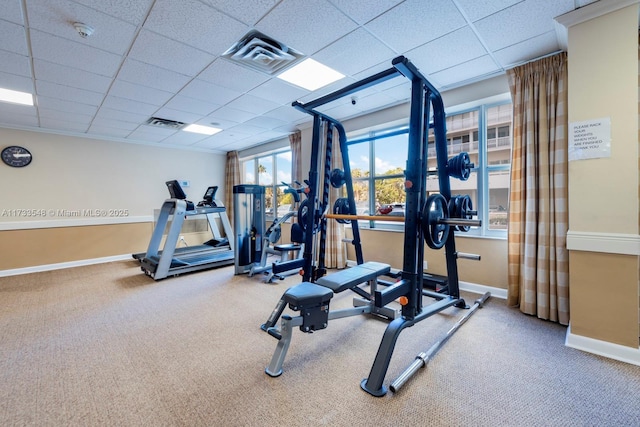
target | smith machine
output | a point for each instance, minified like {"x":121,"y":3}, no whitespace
{"x":429,"y":218}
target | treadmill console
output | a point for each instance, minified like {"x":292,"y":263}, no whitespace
{"x":176,"y":192}
{"x":208,"y":200}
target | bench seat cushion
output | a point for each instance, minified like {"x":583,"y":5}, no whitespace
{"x":306,"y":294}
{"x":350,"y":277}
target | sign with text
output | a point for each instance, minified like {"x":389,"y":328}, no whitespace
{"x":590,"y":139}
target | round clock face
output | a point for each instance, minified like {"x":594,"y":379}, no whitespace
{"x":15,"y":156}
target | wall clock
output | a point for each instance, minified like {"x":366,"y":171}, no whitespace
{"x":16,"y":156}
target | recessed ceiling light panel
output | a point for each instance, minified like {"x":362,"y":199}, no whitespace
{"x":16,"y":97}
{"x":311,"y":75}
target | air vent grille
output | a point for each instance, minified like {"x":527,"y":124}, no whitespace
{"x":165,"y":123}
{"x":260,"y":52}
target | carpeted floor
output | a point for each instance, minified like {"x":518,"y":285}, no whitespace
{"x":105,"y":345}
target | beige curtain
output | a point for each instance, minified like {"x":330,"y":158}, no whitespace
{"x":232,"y":174}
{"x":538,"y":261}
{"x":336,"y":252}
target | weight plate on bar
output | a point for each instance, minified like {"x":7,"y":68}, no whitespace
{"x":435,"y":209}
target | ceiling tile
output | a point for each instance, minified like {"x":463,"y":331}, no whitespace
{"x":163,"y":52}
{"x":253,"y":104}
{"x":527,"y":50}
{"x":183,"y":138}
{"x":116,"y":124}
{"x":57,"y":17}
{"x":133,"y":11}
{"x":475,"y":10}
{"x":305,"y":29}
{"x":415,"y":22}
{"x":137,"y":92}
{"x":81,"y":119}
{"x":53,"y":90}
{"x":69,"y":106}
{"x":15,"y":82}
{"x":151,"y":133}
{"x":151,"y":76}
{"x":278,"y":91}
{"x":14,"y":119}
{"x":231,"y":114}
{"x":12,"y":38}
{"x":7,"y":108}
{"x":263,"y":122}
{"x":14,"y":63}
{"x":514,"y":24}
{"x":129,"y":105}
{"x":354,"y":52}
{"x":287,"y":114}
{"x":207,"y":29}
{"x":55,"y":73}
{"x":12,"y":11}
{"x":72,"y":54}
{"x":63,"y":125}
{"x":204,"y":91}
{"x":227,"y":74}
{"x":246,"y":11}
{"x":364,"y":11}
{"x":191,"y":105}
{"x":121,"y":116}
{"x":108,"y":131}
{"x":460,"y":73}
{"x":452,"y":49}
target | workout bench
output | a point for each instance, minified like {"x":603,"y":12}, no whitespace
{"x":312,"y":301}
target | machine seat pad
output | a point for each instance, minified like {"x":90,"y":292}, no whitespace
{"x":286,"y":247}
{"x":353,"y":276}
{"x":307,"y":294}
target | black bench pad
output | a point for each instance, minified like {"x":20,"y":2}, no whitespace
{"x":353,"y":276}
{"x":306,"y":294}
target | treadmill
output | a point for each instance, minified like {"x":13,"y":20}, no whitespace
{"x":170,"y":260}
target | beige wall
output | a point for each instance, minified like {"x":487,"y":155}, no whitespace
{"x":491,"y":270}
{"x":603,"y":82}
{"x":72,"y":174}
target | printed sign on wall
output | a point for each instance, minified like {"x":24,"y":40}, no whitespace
{"x":590,"y":139}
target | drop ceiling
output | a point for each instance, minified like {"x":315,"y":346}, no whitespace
{"x":164,"y":59}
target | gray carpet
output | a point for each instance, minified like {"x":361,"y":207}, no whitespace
{"x":105,"y":345}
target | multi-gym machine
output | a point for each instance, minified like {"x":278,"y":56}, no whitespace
{"x":432,"y":218}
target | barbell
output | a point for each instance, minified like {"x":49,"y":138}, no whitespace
{"x":436,"y":218}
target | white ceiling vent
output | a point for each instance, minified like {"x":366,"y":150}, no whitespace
{"x":262,"y":53}
{"x":165,"y":123}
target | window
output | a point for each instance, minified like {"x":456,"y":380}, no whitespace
{"x":379,"y":158}
{"x":271,"y":171}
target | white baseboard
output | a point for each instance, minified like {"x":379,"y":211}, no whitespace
{"x":603,"y":348}
{"x":481,"y":289}
{"x":61,"y":265}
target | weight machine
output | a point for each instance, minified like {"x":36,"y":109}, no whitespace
{"x":271,"y":237}
{"x":430,"y":218}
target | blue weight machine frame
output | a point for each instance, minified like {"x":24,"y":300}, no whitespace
{"x":425,"y":99}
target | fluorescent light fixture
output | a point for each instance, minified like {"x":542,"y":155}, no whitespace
{"x":16,"y":97}
{"x":311,"y":75}
{"x":205,"y":130}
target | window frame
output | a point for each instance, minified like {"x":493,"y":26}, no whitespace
{"x":483,"y":169}
{"x":275,"y":184}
